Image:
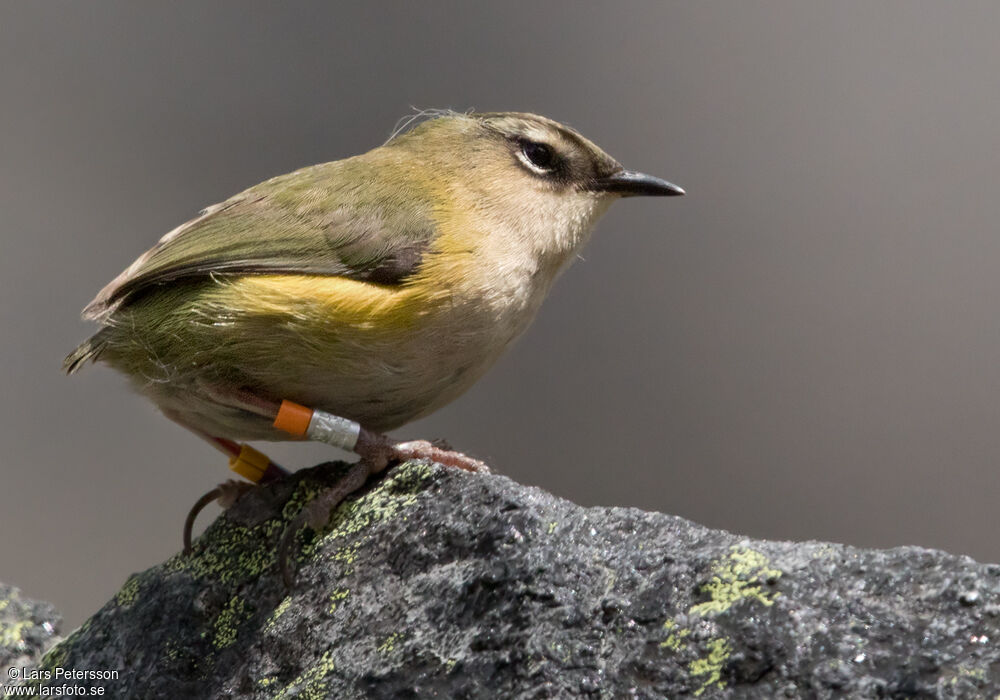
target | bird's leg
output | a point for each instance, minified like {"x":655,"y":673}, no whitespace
{"x":375,"y":448}
{"x":377,"y":452}
{"x":243,"y":459}
{"x":316,"y":514}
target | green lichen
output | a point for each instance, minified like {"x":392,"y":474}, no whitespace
{"x":396,"y":493}
{"x":226,"y":624}
{"x":276,"y":615}
{"x":310,"y":684}
{"x":4,"y":603}
{"x":737,"y":577}
{"x":823,"y":551}
{"x":347,"y":555}
{"x":12,"y":633}
{"x":964,"y":675}
{"x":305,"y":491}
{"x":711,"y":665}
{"x":234,"y":552}
{"x":129,"y":593}
{"x":390,"y":642}
{"x":978,"y":674}
{"x":337,"y":596}
{"x":552,"y":526}
{"x":56,"y":656}
{"x":675,"y":639}
{"x":172,"y":650}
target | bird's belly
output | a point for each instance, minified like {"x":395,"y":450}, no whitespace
{"x":391,"y":381}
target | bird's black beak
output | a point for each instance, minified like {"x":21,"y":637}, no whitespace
{"x":628,"y":183}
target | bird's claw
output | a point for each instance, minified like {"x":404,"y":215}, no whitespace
{"x":226,"y":494}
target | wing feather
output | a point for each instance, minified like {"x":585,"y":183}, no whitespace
{"x":313,"y":221}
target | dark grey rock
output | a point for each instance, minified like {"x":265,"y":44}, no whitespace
{"x":433,"y":583}
{"x":28,"y":628}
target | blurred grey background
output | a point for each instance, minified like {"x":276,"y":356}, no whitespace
{"x":807,"y":346}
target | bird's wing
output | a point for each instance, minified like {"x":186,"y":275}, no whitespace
{"x":313,"y":221}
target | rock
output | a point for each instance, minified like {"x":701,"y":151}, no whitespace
{"x":433,"y":583}
{"x":28,"y":628}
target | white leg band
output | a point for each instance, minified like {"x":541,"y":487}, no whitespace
{"x":333,"y":430}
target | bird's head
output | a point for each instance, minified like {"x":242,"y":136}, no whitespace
{"x":541,"y":183}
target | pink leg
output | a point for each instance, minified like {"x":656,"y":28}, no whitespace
{"x":377,"y":452}
{"x":380,"y":451}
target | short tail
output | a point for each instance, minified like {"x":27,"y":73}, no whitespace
{"x":88,"y":351}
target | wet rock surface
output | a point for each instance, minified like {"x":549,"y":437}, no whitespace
{"x":432,"y":583}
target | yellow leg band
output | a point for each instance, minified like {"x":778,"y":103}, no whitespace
{"x":249,"y":463}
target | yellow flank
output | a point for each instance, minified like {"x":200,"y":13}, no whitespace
{"x":341,"y":300}
{"x":448,"y":270}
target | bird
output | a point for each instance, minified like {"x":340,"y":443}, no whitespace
{"x":346,"y":299}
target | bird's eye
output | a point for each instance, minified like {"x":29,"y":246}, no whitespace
{"x":539,"y":156}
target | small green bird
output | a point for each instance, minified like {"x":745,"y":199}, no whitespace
{"x":349,"y":298}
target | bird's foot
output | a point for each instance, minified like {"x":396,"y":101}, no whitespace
{"x":377,"y":452}
{"x":422,"y":449}
{"x":317,"y":513}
